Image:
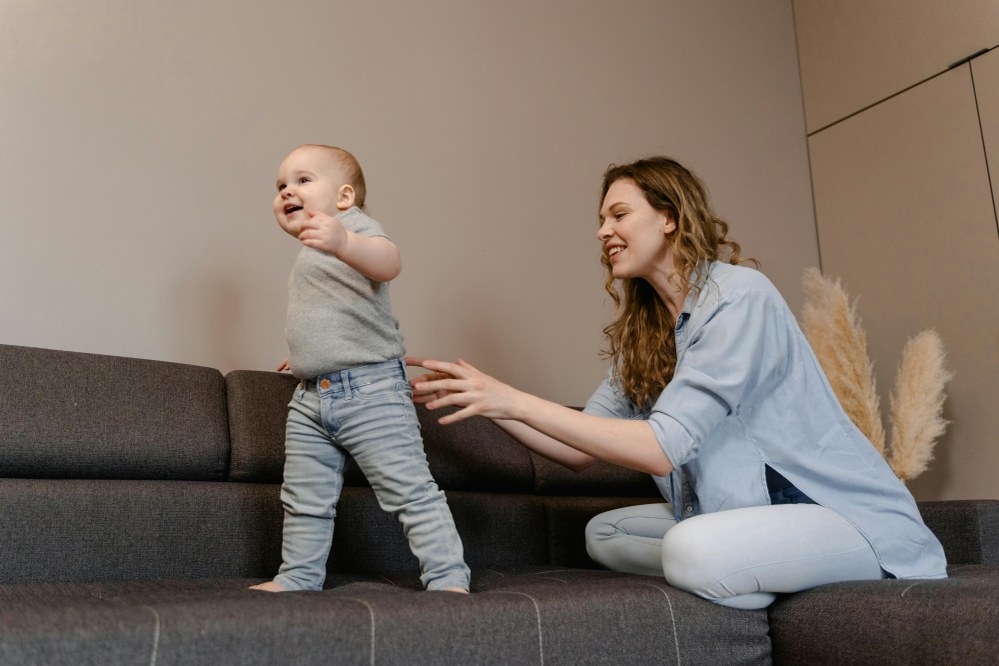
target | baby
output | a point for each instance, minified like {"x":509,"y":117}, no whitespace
{"x":354,"y":397}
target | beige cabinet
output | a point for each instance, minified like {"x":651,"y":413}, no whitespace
{"x":906,"y":217}
{"x":985,"y":71}
{"x":855,"y":53}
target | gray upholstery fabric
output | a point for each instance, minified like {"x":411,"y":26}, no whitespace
{"x":514,"y":616}
{"x":968,"y":529}
{"x":81,"y":530}
{"x":949,"y":621}
{"x":72,"y":415}
{"x":258,"y":409}
{"x":603,"y":479}
{"x":475,"y":454}
{"x":90,"y":530}
{"x":496,"y":530}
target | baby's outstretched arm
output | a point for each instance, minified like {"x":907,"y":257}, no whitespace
{"x":374,"y":257}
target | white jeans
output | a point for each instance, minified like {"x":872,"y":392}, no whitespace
{"x":738,"y":558}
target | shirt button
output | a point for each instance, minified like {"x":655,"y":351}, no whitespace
{"x":689,"y":509}
{"x":324,"y":384}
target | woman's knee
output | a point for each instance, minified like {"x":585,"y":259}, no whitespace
{"x":689,"y":558}
{"x":599,"y":530}
{"x":695,"y":562}
{"x":628,"y":539}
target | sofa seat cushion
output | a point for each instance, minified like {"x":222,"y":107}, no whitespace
{"x":946,"y":621}
{"x":529,"y":615}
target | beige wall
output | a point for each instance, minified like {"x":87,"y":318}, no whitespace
{"x":140,"y":142}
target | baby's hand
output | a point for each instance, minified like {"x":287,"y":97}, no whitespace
{"x":322,"y":232}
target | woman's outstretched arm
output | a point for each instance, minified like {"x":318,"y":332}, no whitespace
{"x":623,"y":442}
{"x":546,"y":446}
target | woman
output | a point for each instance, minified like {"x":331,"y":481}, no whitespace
{"x":714,"y":391}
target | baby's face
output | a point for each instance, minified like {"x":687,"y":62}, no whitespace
{"x":309,"y":179}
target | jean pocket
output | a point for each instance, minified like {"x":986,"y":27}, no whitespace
{"x":381,"y":387}
{"x":298,"y":394}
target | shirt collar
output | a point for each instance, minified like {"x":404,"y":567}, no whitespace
{"x":694,"y":295}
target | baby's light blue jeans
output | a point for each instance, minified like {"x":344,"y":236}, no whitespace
{"x":366,"y":412}
{"x":738,"y":558}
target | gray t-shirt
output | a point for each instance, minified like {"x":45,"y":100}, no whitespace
{"x":338,"y":318}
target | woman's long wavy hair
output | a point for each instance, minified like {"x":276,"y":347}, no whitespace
{"x":641,"y":341}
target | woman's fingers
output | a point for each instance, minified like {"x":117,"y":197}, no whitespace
{"x":452,"y":369}
{"x":460,"y":415}
{"x":459,"y":369}
{"x":458,"y":385}
{"x":421,"y":394}
{"x":443,"y":376}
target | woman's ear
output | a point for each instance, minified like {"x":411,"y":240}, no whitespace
{"x":669,"y":224}
{"x":345,"y":197}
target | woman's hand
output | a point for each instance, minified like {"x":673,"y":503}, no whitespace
{"x":421,"y":396}
{"x":461,"y":385}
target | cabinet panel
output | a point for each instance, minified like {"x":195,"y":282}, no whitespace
{"x":986,"y":75}
{"x":905,"y":218}
{"x":854,"y":53}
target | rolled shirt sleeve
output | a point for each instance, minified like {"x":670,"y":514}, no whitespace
{"x":609,"y":402}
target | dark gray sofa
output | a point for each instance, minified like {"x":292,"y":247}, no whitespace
{"x":139,"y":500}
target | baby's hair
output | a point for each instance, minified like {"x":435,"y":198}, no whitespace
{"x":352,"y":170}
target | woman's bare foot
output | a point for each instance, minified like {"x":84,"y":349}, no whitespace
{"x":269,"y":586}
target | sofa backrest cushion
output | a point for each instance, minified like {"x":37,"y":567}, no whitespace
{"x":601,"y":479}
{"x":258,"y":409}
{"x":474,"y":454}
{"x":88,"y":416}
{"x":967,"y":529}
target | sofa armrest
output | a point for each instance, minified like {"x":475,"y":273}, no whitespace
{"x":968,"y":529}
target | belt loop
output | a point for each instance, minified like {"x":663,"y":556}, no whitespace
{"x":344,"y":377}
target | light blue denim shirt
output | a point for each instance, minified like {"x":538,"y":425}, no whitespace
{"x":749,"y":392}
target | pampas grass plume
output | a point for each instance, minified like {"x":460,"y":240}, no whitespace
{"x":833,"y":328}
{"x":917,"y":404}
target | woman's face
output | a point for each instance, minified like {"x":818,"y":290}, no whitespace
{"x":633,"y":234}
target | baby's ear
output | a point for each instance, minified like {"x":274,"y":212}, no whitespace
{"x":345,"y":197}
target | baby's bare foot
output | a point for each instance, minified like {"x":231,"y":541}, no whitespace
{"x":269,"y":586}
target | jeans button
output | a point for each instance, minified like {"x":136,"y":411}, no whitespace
{"x":324,"y":384}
